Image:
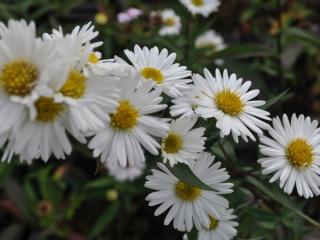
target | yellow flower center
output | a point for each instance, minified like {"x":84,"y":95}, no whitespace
{"x":299,"y":153}
{"x":92,"y":58}
{"x":210,"y":46}
{"x":198,"y":3}
{"x":125,"y":117}
{"x":229,"y":102}
{"x":18,"y":77}
{"x":47,"y":109}
{"x":172,"y":143}
{"x":213,"y":223}
{"x":152,"y":73}
{"x":186,"y":192}
{"x":169,"y":22}
{"x":75,"y":85}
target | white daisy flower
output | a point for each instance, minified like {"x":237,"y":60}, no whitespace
{"x":292,"y":154}
{"x":89,"y":91}
{"x":128,"y":173}
{"x":223,"y":228}
{"x":171,"y":23}
{"x":45,"y":135}
{"x":189,"y":206}
{"x":228,"y":100}
{"x":131,"y":125}
{"x":26,"y":66}
{"x":183,"y":106}
{"x":182,"y":143}
{"x":210,"y":39}
{"x":203,"y":7}
{"x":160,"y":68}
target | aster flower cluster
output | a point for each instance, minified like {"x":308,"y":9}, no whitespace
{"x":57,"y":86}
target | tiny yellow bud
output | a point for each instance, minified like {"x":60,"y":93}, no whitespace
{"x":112,"y":195}
{"x":101,"y":18}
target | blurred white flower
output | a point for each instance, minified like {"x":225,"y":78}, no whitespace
{"x":128,"y":173}
{"x":159,"y":67}
{"x":131,"y":127}
{"x":228,"y":100}
{"x":292,"y":154}
{"x":189,"y":206}
{"x":211,"y":40}
{"x":203,"y":7}
{"x":182,"y":144}
{"x":171,"y":23}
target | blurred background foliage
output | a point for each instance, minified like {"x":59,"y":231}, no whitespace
{"x":274,"y":43}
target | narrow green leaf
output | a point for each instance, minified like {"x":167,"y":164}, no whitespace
{"x":101,"y":182}
{"x":281,"y":200}
{"x":275,"y":99}
{"x":18,"y":197}
{"x":184,"y":174}
{"x":306,"y":36}
{"x":243,"y":51}
{"x":104,"y":219}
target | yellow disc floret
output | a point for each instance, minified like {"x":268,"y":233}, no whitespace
{"x":75,"y":85}
{"x":169,"y":22}
{"x":186,"y":192}
{"x":18,"y":78}
{"x":125,"y":117}
{"x":229,"y":102}
{"x":299,"y":153}
{"x":213,"y":223}
{"x":92,"y":58}
{"x":47,"y":109}
{"x":198,"y":3}
{"x":172,"y":143}
{"x":152,"y":73}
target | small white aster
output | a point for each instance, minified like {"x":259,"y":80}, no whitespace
{"x":45,"y":135}
{"x":203,"y":7}
{"x":171,"y":23}
{"x":292,"y":154}
{"x":160,"y":68}
{"x":128,"y":173}
{"x":228,"y":100}
{"x":82,"y":36}
{"x":210,"y":39}
{"x":182,"y":144}
{"x":189,"y":206}
{"x":131,"y":127}
{"x":223,"y":228}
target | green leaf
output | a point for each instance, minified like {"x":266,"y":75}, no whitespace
{"x":104,"y":219}
{"x":184,"y":174}
{"x":18,"y":197}
{"x":275,"y":99}
{"x":281,"y":200}
{"x":243,"y":51}
{"x":305,"y":36}
{"x":99,"y":183}
{"x":193,"y":235}
{"x":5,"y":169}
